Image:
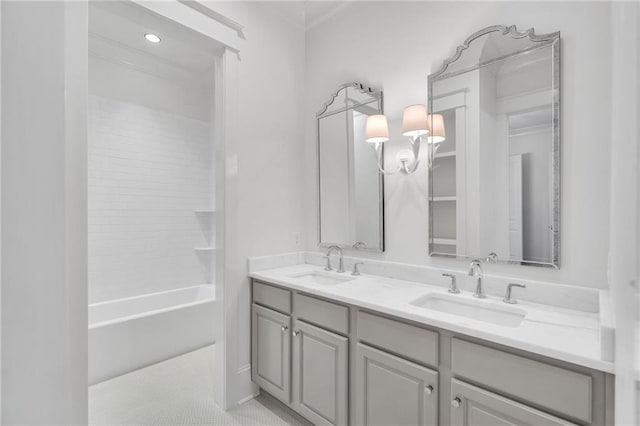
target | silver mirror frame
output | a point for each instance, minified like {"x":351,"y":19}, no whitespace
{"x":542,"y":40}
{"x":377,"y":96}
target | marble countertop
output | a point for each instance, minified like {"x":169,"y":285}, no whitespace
{"x":560,"y":333}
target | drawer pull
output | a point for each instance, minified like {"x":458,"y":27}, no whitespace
{"x":284,"y":328}
{"x":295,"y":333}
{"x":456,"y":402}
{"x":429,"y":390}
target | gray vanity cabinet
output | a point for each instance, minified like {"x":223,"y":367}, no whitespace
{"x":270,"y":347}
{"x":320,"y":365}
{"x":337,"y":364}
{"x":473,"y":406}
{"x":393,"y":391}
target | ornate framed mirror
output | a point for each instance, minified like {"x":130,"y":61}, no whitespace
{"x":350,"y":189}
{"x":494,"y":185}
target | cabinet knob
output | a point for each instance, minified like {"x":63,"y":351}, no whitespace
{"x":284,"y":328}
{"x":429,"y":390}
{"x":456,"y":402}
{"x":295,"y":333}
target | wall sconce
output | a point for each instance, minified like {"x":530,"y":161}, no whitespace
{"x":416,"y":123}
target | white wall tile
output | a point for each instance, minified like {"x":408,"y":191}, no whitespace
{"x":148,"y":172}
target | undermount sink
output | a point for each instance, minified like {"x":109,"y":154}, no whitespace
{"x":322,"y":278}
{"x":480,"y":310}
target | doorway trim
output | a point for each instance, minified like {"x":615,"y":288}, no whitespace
{"x":227,"y":32}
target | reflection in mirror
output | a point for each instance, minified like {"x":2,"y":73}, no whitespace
{"x":495,"y":182}
{"x":350,"y":187}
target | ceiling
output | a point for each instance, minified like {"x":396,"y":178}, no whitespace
{"x":307,"y":13}
{"x":317,"y":11}
{"x":117,"y":28}
{"x":117,"y":31}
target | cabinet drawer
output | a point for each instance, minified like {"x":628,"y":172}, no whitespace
{"x":555,"y":388}
{"x":403,"y":339}
{"x":325,"y":314}
{"x":273,"y":297}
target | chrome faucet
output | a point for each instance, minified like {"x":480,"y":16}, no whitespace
{"x":356,"y":270}
{"x":476,"y":269}
{"x":453,"y":287}
{"x":507,"y":296}
{"x":341,"y":266}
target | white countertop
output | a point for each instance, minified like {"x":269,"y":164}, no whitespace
{"x":637,"y":354}
{"x":564,"y":334}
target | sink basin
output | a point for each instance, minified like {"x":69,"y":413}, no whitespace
{"x":481,"y":310}
{"x":322,"y":278}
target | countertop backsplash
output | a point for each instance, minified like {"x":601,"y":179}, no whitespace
{"x":584,"y":299}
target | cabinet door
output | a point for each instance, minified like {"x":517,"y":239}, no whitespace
{"x":320,"y":374}
{"x":393,"y":391}
{"x":270,"y":352}
{"x":475,"y":406}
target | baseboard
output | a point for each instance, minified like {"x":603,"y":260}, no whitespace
{"x":247,"y":390}
{"x":249,"y":398}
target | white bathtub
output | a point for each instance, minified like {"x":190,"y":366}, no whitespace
{"x":127,"y":334}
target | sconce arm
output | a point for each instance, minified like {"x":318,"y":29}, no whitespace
{"x":415,"y":146}
{"x":378,"y":148}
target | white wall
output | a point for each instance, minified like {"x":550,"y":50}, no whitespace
{"x":394,"y":46}
{"x":44,"y":290}
{"x":188,"y":95}
{"x":267,"y":184}
{"x":44,"y":310}
{"x":148,"y":172}
{"x":623,"y":257}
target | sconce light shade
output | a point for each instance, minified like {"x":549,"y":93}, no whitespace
{"x":436,"y":128}
{"x":414,"y":121}
{"x":377,"y":129}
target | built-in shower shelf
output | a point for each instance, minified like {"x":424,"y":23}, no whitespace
{"x":445,"y":198}
{"x":205,"y":249}
{"x":445,"y":154}
{"x":446,"y":241}
{"x":204,"y":211}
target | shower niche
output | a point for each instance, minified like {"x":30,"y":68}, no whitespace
{"x":207,"y":253}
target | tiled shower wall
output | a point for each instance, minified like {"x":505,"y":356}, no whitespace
{"x":149,"y":171}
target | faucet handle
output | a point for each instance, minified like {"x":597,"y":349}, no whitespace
{"x":328,"y":266}
{"x":507,"y":296}
{"x":492,"y":258}
{"x":475,"y":263}
{"x":453,"y":287}
{"x":356,"y":271}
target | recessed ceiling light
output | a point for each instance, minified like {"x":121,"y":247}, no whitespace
{"x":152,"y":38}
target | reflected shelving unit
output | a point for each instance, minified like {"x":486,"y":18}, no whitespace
{"x":445,"y":198}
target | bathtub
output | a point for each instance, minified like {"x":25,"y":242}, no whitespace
{"x":131,"y":333}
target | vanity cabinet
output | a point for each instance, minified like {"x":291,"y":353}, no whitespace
{"x":393,"y":391}
{"x":270,"y":351}
{"x":557,"y":390}
{"x":320,"y":366}
{"x":473,"y":406}
{"x":298,"y":355}
{"x":338,"y":364}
